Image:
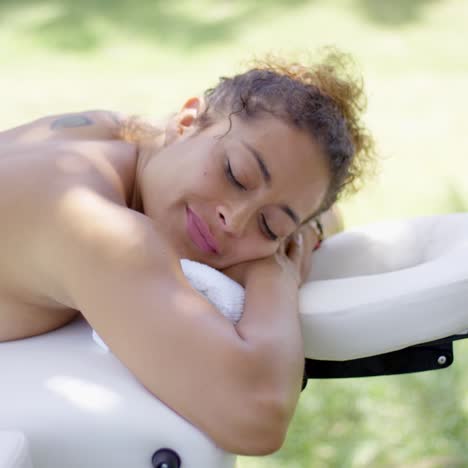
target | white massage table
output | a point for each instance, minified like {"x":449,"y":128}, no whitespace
{"x":377,"y":290}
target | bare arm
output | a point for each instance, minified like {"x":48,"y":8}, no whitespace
{"x":128,"y":284}
{"x":271,"y":323}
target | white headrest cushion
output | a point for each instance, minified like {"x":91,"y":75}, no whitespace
{"x":386,"y":286}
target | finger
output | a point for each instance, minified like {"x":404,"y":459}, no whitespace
{"x":282,"y":248}
{"x":287,"y":243}
{"x":310,"y":236}
{"x":296,"y":249}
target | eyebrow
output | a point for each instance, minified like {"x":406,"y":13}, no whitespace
{"x":267,"y":178}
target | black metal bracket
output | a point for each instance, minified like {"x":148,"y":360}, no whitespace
{"x":433,"y":355}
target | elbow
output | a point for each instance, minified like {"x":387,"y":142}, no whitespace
{"x":267,"y":443}
{"x":269,"y":432}
{"x":261,"y":432}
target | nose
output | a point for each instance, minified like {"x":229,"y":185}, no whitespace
{"x":234,"y":220}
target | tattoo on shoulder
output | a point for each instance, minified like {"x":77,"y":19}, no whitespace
{"x":70,"y":121}
{"x":115,"y":118}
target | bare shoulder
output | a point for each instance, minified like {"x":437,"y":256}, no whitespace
{"x":90,"y":124}
{"x":89,"y":223}
{"x":98,"y":249}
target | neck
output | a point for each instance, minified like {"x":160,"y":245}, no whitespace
{"x":135,"y":199}
{"x":147,"y":146}
{"x":136,"y":203}
{"x":144,"y":153}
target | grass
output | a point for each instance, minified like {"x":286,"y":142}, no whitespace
{"x":148,"y":56}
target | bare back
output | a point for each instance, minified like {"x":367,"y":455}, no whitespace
{"x":39,"y":163}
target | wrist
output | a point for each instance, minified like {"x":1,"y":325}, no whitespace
{"x":271,"y":271}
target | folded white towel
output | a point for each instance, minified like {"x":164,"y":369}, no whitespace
{"x":223,"y":292}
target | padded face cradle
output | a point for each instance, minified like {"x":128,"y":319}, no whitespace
{"x":386,"y":286}
{"x":79,"y":407}
{"x":14,"y":450}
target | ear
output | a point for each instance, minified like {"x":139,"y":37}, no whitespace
{"x":182,"y":123}
{"x":189,"y":113}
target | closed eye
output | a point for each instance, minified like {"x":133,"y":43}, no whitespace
{"x":271,"y":235}
{"x":264,"y":225}
{"x":231,"y":176}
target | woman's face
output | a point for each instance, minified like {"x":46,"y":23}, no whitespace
{"x":225,"y":197}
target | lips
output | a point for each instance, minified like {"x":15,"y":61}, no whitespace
{"x":200,"y":234}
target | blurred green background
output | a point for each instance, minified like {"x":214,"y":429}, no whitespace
{"x":148,"y":56}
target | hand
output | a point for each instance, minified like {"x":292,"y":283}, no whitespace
{"x":293,"y":258}
{"x":311,"y":240}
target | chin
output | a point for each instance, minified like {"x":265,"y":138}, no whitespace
{"x":214,"y":262}
{"x":210,"y":261}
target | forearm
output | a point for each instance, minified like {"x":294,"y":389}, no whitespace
{"x":271,"y":326}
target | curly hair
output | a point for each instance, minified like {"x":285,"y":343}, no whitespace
{"x":323,"y":98}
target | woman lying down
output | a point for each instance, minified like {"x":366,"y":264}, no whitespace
{"x":97,"y":210}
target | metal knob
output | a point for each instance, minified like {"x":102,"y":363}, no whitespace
{"x":441,"y":360}
{"x":165,"y":458}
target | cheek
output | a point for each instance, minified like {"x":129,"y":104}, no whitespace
{"x":209,"y":181}
{"x":253,"y":249}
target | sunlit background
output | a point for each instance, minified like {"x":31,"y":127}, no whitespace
{"x":148,"y":56}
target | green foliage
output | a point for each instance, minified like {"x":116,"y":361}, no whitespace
{"x":148,"y":56}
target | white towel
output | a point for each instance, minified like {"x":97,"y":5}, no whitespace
{"x":223,"y":292}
